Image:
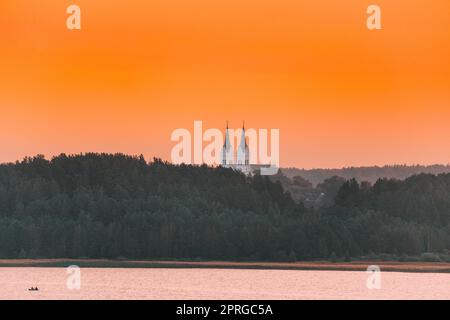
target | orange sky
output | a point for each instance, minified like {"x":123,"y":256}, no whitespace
{"x":340,"y":94}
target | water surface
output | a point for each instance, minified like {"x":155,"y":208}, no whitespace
{"x":203,"y":284}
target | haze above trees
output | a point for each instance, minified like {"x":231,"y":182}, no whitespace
{"x":370,"y":174}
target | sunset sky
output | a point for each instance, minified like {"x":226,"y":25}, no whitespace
{"x":340,"y":94}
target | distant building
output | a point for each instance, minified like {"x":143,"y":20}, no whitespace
{"x":240,"y":160}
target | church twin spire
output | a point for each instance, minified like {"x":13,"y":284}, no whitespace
{"x":243,"y":157}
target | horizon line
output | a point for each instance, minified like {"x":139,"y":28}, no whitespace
{"x":49,"y":158}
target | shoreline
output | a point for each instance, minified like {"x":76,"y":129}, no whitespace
{"x":388,"y":266}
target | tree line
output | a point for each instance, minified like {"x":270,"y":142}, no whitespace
{"x":118,"y":206}
{"x":370,"y":174}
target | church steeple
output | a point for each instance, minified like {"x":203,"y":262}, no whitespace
{"x":243,"y":152}
{"x":227,"y":138}
{"x":243,"y":143}
{"x":227,"y":150}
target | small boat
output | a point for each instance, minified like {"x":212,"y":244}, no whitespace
{"x":33,"y":289}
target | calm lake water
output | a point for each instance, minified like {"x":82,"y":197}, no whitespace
{"x":218,"y":284}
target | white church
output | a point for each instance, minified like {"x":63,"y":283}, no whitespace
{"x":239,"y":160}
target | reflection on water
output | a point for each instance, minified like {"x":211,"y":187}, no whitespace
{"x":218,"y":284}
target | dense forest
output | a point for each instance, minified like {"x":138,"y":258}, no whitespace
{"x":370,"y":174}
{"x":118,"y":206}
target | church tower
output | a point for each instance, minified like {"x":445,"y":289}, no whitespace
{"x":227,"y":150}
{"x":243,"y":155}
